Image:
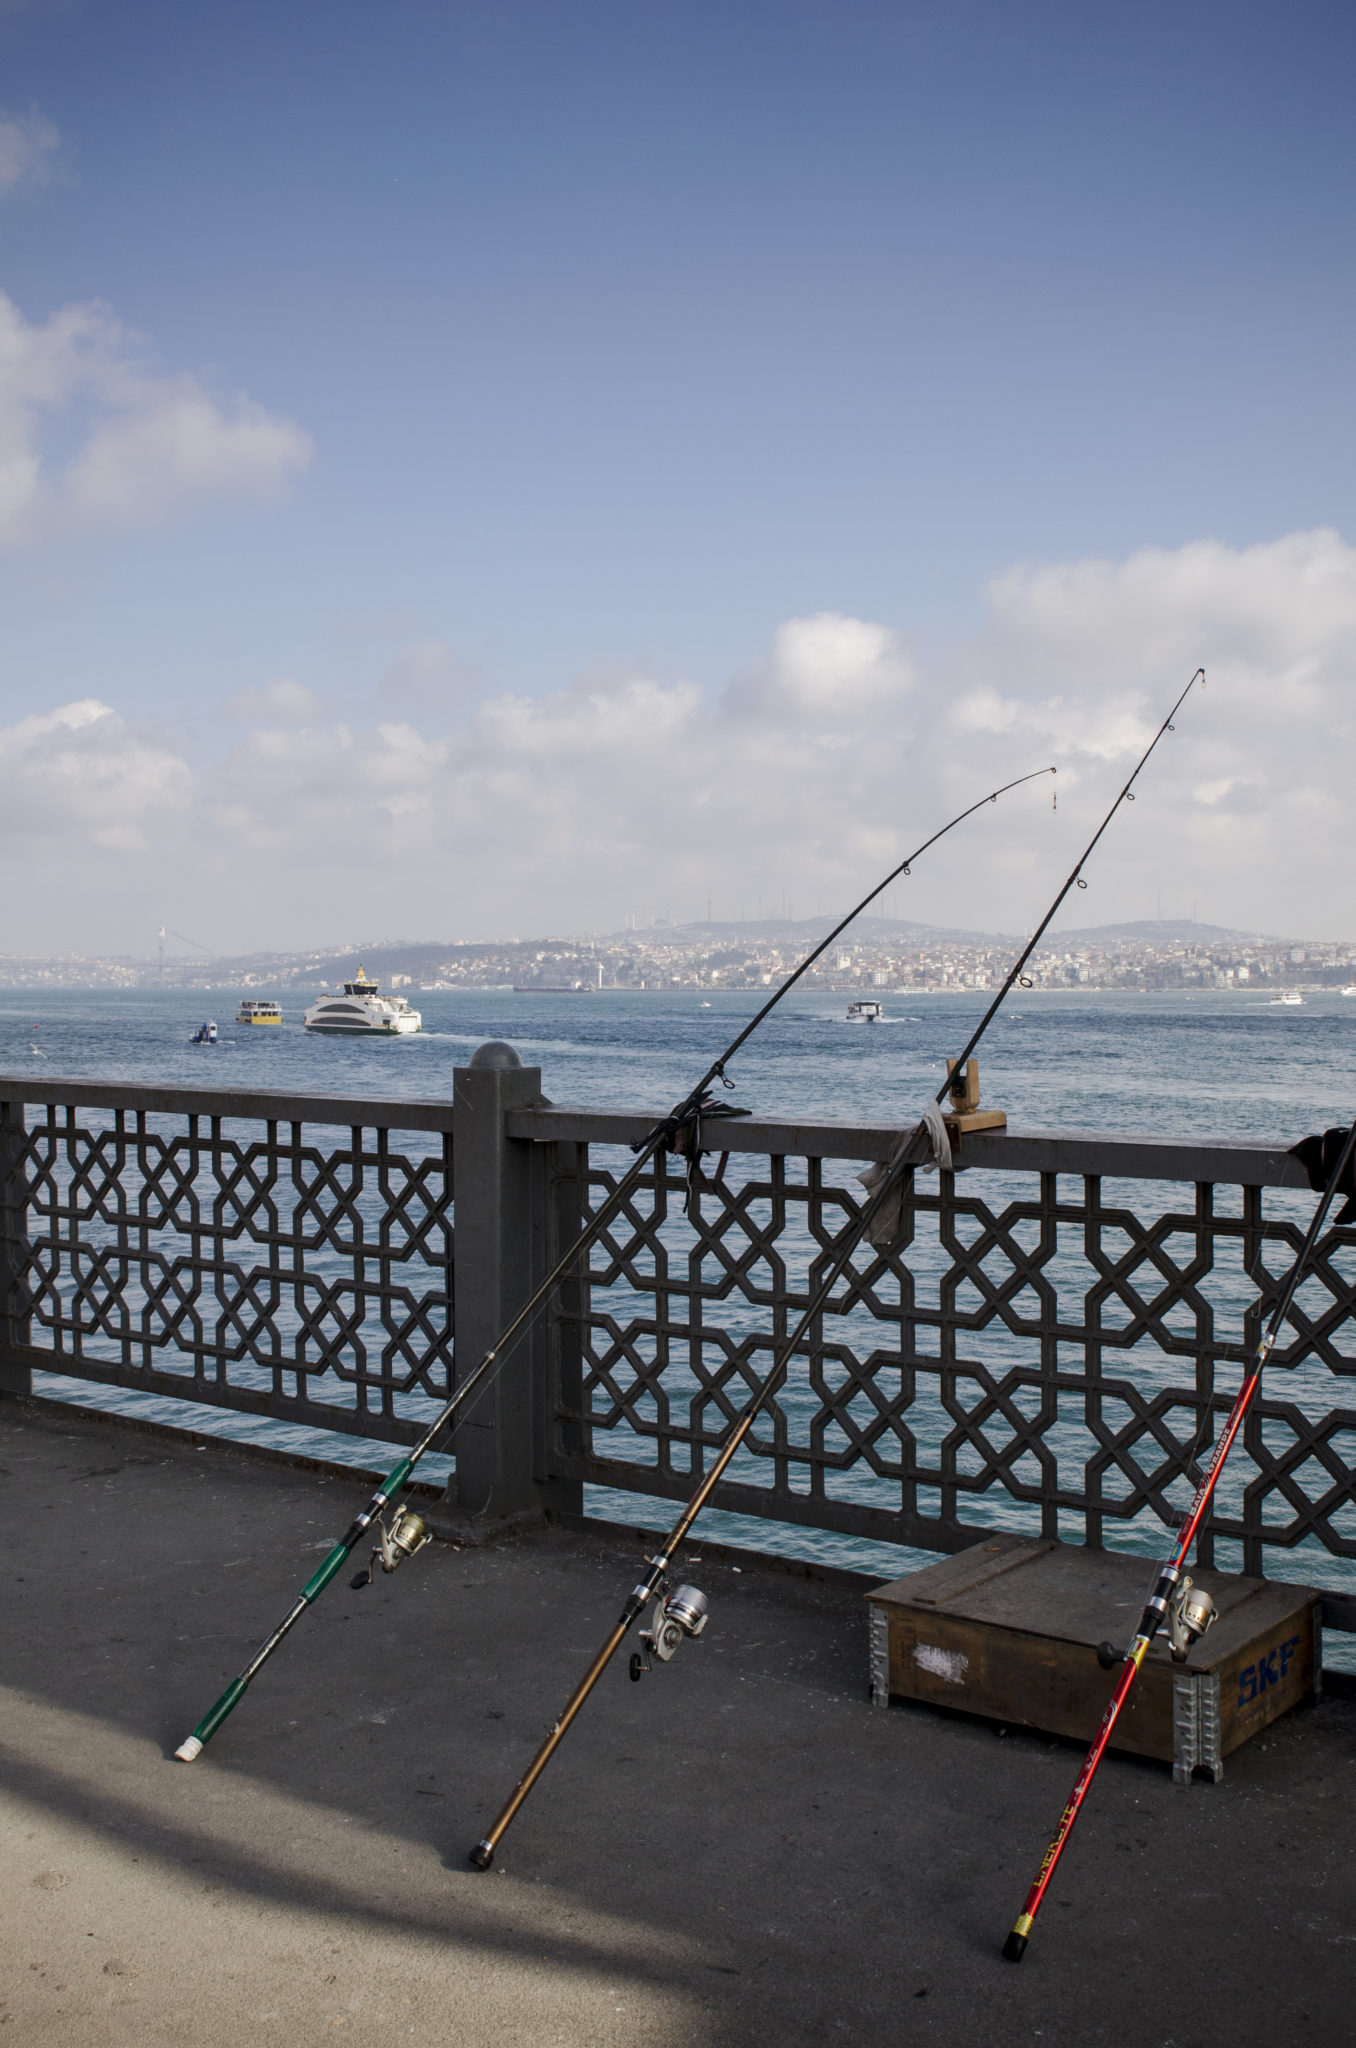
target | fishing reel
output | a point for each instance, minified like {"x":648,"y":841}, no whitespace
{"x":1190,"y":1612}
{"x":408,"y":1533}
{"x":684,"y":1612}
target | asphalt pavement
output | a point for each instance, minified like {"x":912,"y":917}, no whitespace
{"x":738,"y":1850}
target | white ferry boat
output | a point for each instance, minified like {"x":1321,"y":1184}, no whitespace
{"x":362,"y":1007}
{"x":865,"y":1012}
{"x":259,"y":1013}
{"x":1289,"y":999}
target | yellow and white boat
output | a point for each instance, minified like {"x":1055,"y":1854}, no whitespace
{"x":259,"y":1013}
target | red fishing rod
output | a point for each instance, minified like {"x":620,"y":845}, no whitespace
{"x":1187,"y":1617}
{"x":683,"y":1611}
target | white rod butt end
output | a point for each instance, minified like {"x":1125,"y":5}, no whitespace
{"x":189,"y":1751}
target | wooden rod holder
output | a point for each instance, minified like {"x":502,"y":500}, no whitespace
{"x":963,"y":1112}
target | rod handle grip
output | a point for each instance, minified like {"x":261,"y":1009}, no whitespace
{"x":317,"y":1583}
{"x":188,"y":1751}
{"x":1014,"y":1948}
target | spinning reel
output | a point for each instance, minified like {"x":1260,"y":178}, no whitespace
{"x":1190,"y":1613}
{"x":684,"y":1612}
{"x":408,"y":1533}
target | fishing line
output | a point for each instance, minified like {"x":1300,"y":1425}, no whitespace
{"x":1187,"y":1611}
{"x":680,"y":1130}
{"x":673,"y":1612}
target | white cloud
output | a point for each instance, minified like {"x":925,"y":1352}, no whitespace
{"x":429,"y":677}
{"x":28,"y":147}
{"x":1245,"y":808}
{"x":828,"y":670}
{"x":282,"y":702}
{"x":79,"y":778}
{"x":329,"y":793}
{"x":1270,"y":610}
{"x":148,"y":440}
{"x":633,"y":720}
{"x":806,"y":778}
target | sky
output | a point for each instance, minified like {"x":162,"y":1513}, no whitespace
{"x":475,"y":470}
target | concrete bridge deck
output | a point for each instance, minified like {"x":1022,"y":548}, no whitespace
{"x":739,"y":1850}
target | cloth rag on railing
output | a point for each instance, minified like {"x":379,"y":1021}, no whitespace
{"x":1318,"y":1155}
{"x":886,"y":1226}
{"x":682,"y":1133}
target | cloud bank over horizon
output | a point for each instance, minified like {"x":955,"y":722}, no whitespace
{"x":484,"y":813}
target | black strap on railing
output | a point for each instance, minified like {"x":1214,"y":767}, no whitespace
{"x":682,"y":1133}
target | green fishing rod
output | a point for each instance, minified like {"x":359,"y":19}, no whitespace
{"x":1188,"y":1611}
{"x":683,"y":1611}
{"x":408,"y":1532}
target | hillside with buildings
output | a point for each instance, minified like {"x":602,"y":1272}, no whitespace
{"x":879,"y":953}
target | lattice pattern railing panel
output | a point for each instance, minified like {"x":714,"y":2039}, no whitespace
{"x":284,"y":1269}
{"x":1034,"y":1353}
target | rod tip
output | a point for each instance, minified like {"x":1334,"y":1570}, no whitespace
{"x":188,"y":1752}
{"x":1014,"y":1948}
{"x":482,"y":1856}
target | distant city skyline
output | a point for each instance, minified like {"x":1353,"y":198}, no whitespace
{"x":883,"y":953}
{"x":522,"y":467}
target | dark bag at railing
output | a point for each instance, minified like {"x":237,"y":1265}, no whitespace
{"x":1318,"y":1155}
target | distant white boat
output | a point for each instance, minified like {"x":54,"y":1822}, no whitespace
{"x":865,"y":1012}
{"x":363,"y":1008}
{"x":206,"y":1034}
{"x":1351,"y":990}
{"x":1291,"y":999}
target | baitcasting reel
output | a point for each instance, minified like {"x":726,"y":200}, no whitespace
{"x":684,"y":1612}
{"x":408,"y":1533}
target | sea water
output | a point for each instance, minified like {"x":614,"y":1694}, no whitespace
{"x":1221,"y":1066}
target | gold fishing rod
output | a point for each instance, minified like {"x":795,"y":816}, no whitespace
{"x":408,"y":1531}
{"x":683,"y":1612}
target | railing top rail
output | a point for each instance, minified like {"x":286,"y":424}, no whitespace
{"x":1081,"y":1152}
{"x":263,"y":1104}
{"x":1129,"y":1157}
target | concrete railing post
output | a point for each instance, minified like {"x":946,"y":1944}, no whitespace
{"x":16,"y":1374}
{"x":501,"y":1189}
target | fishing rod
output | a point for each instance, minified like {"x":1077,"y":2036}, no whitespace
{"x":408,"y":1532}
{"x":683,"y":1612}
{"x":1187,"y":1611}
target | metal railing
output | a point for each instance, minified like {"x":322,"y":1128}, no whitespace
{"x":1047,"y":1347}
{"x":283,"y":1256}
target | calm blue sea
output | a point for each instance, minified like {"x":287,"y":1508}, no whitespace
{"x":1216,"y":1065}
{"x":1224,"y":1066}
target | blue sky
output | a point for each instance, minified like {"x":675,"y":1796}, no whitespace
{"x":586,"y":346}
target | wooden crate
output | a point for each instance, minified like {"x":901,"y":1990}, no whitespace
{"x":1010,"y":1629}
